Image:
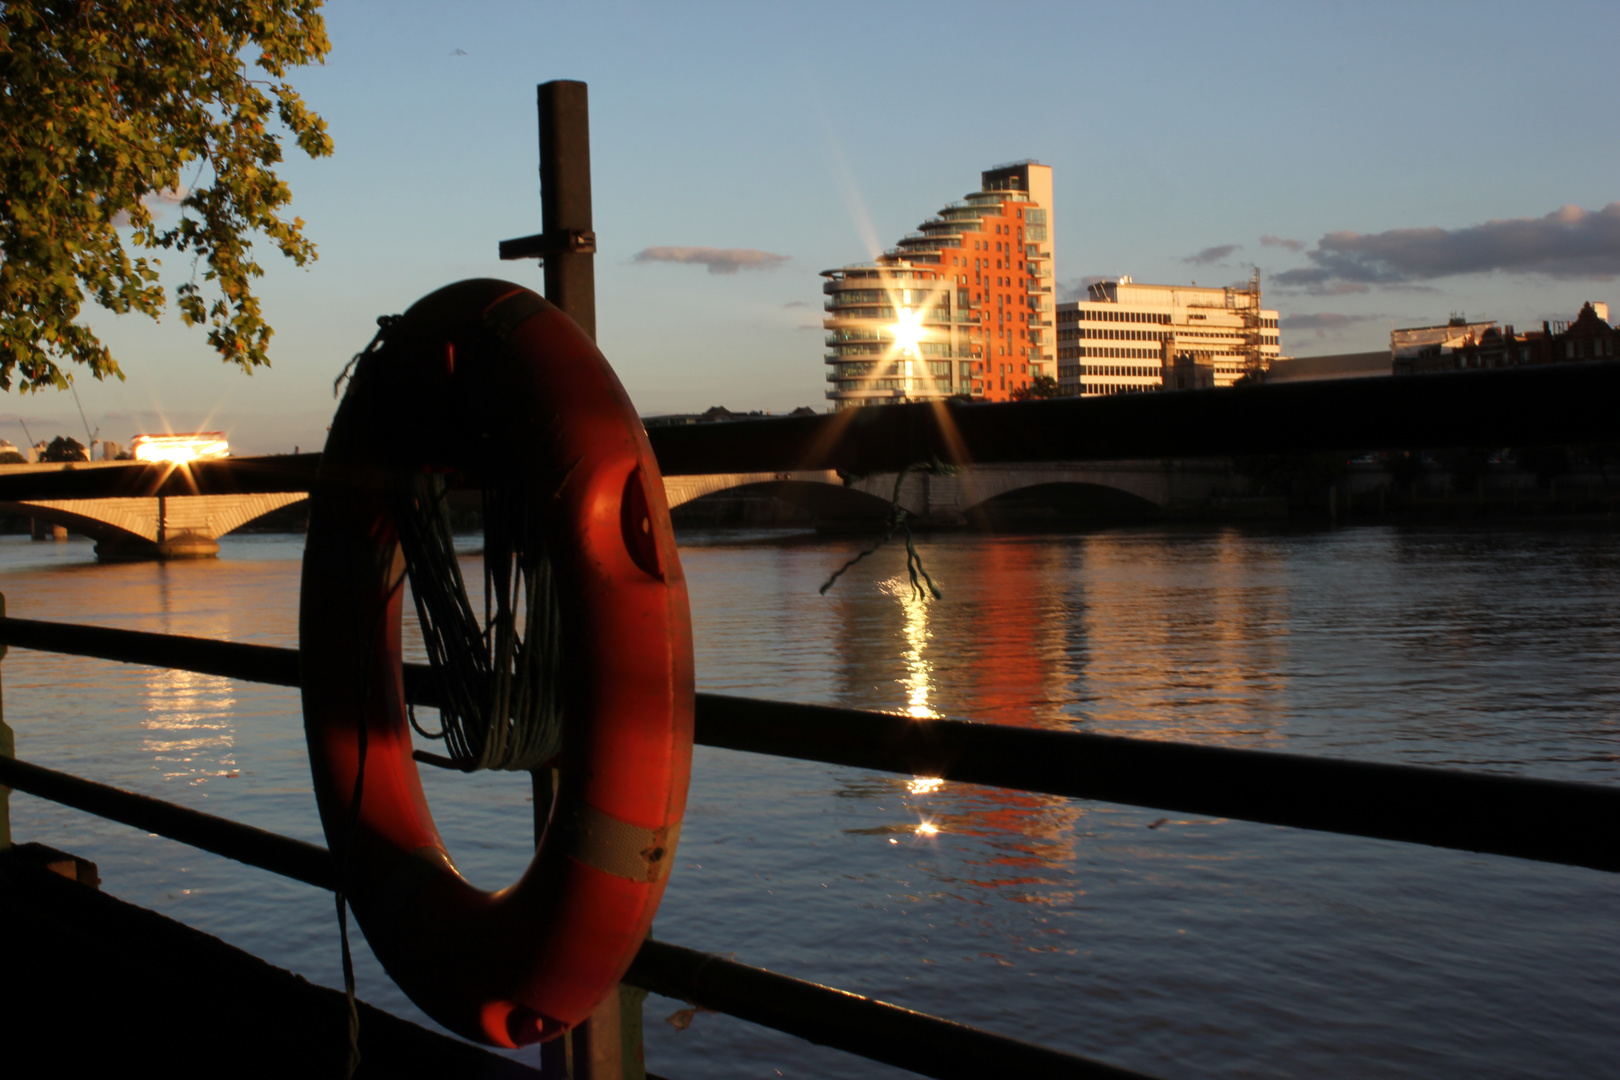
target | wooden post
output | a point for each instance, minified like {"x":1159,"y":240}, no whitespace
{"x":8,"y":748}
{"x":565,"y":197}
{"x":608,"y":1045}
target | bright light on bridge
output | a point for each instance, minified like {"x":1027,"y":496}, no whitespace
{"x":180,"y":448}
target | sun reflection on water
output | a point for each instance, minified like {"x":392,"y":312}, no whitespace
{"x":189,"y":727}
{"x":919,"y":671}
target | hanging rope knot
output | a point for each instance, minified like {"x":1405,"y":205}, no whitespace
{"x":385,"y":323}
{"x":900,"y":521}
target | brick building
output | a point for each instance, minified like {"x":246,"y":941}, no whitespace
{"x":961,"y":307}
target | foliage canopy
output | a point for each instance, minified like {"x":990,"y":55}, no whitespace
{"x":109,"y":105}
{"x":1041,"y":386}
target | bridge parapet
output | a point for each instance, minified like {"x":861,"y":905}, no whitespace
{"x":951,"y":497}
{"x":683,"y":489}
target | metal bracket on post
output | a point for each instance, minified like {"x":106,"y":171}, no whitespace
{"x":557,"y":242}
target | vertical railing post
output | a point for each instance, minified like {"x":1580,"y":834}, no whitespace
{"x":608,"y":1045}
{"x":8,"y":748}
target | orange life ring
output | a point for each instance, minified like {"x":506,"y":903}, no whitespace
{"x":486,"y":377}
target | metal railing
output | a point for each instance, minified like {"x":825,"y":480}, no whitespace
{"x":860,"y":1025}
{"x":1552,"y":821}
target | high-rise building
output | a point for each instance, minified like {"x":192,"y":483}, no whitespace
{"x":1126,"y":338}
{"x":961,"y":307}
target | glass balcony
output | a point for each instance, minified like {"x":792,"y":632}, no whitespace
{"x":867,"y":312}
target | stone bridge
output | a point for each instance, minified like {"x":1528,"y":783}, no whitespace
{"x":1119,"y":488}
{"x":156,"y":527}
{"x":189,"y":526}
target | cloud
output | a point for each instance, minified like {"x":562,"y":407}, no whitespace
{"x":1075,"y":288}
{"x":1211,"y":254}
{"x":1324,"y":323}
{"x":1316,"y":286}
{"x":1568,"y":243}
{"x":718,"y":260}
{"x":795,"y":303}
{"x":1282,"y":242}
{"x":152,"y":200}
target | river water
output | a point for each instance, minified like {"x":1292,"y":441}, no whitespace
{"x":1179,"y":946}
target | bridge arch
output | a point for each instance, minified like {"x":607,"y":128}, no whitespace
{"x":178,"y":527}
{"x":1062,"y":501}
{"x":822,"y":496}
{"x":1112,"y":488}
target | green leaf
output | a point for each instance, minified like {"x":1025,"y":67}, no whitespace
{"x":104,"y":105}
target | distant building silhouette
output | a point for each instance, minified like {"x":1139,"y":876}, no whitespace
{"x":715,"y":414}
{"x":1464,"y":346}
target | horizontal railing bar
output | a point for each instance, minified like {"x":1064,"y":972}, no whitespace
{"x":860,"y":1025}
{"x":279,"y":854}
{"x":1546,"y":820}
{"x":269,"y":664}
{"x":206,"y":656}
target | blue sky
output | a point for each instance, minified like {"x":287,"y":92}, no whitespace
{"x":807,"y":130}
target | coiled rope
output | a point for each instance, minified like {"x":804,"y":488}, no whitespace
{"x":499,"y":703}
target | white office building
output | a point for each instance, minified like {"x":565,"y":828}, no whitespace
{"x":1126,"y":338}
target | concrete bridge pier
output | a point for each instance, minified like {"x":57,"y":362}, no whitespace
{"x":184,"y":545}
{"x":44,"y":530}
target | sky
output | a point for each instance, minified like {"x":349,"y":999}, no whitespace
{"x":1382,"y":165}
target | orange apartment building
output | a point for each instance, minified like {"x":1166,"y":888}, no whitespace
{"x":962,"y":307}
